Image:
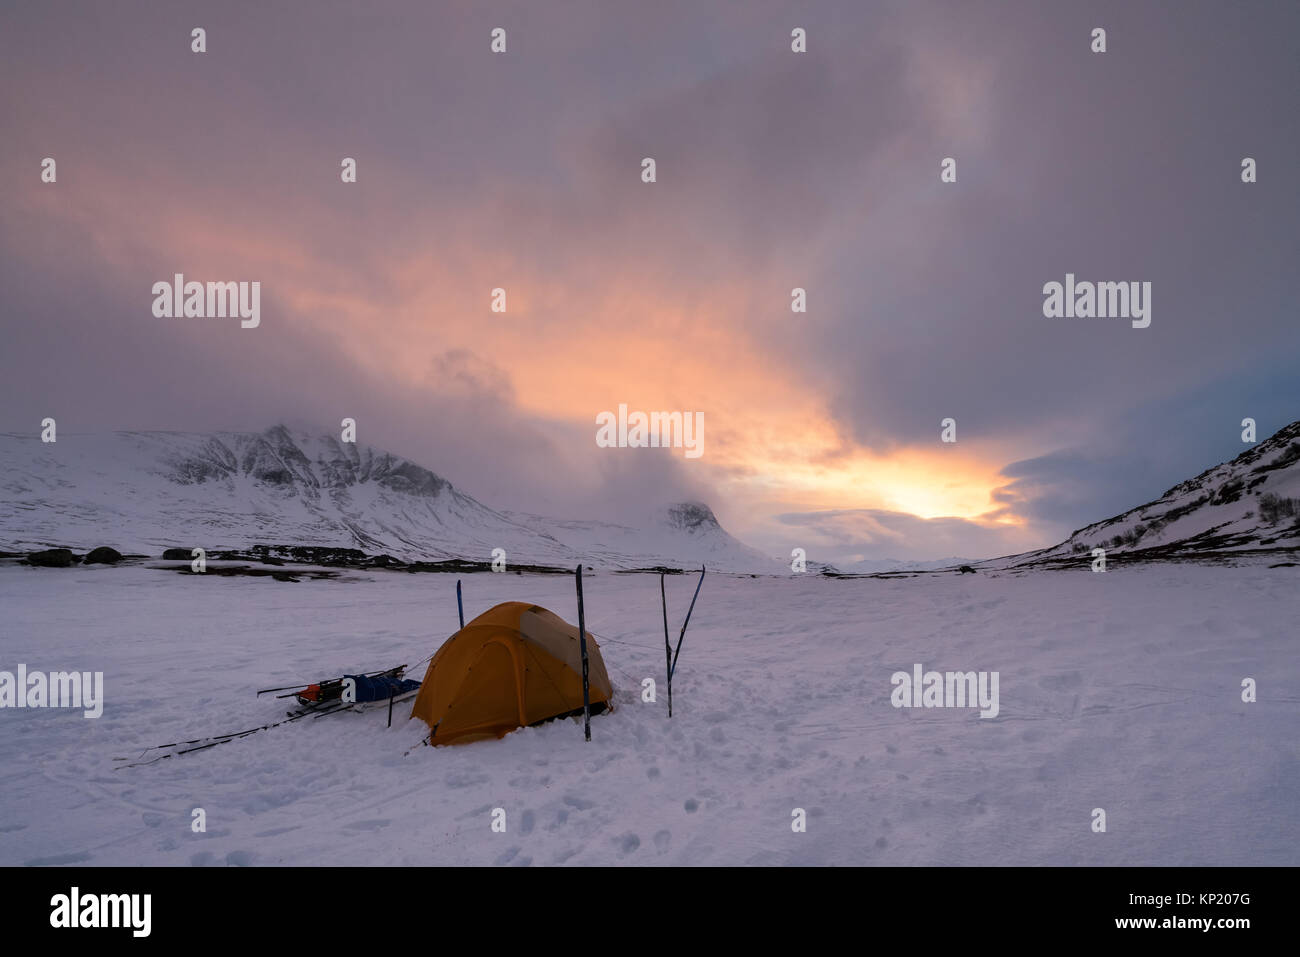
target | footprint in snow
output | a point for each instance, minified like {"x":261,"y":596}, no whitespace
{"x":662,"y":840}
{"x":478,"y":811}
{"x":1068,"y":681}
{"x":367,"y":825}
{"x":78,"y":857}
{"x":466,"y":779}
{"x":527,"y":822}
{"x":600,"y":763}
{"x":277,"y":830}
{"x":627,"y":844}
{"x":507,"y":857}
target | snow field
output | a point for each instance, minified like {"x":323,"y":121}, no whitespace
{"x":1119,"y":691}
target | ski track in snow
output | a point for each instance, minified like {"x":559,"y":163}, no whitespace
{"x":1119,"y":691}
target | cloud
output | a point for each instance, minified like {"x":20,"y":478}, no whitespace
{"x":846,"y":535}
{"x":775,"y":171}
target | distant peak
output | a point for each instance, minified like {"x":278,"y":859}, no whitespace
{"x":691,"y":516}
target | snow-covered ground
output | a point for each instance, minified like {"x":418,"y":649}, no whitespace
{"x":1118,"y":691}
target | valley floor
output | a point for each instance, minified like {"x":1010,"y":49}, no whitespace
{"x":1119,"y":691}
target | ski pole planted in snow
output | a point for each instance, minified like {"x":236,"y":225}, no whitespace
{"x":460,"y":607}
{"x":668,"y":645}
{"x":582,"y":642}
{"x":683,"y":634}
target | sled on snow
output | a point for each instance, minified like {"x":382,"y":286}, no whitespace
{"x":359,"y":690}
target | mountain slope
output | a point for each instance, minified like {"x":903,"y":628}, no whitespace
{"x":685,"y":529}
{"x":1247,"y":504}
{"x":142,"y":491}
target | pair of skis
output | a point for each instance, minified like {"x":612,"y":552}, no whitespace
{"x":671,"y":656}
{"x":319,"y":709}
{"x":202,"y":744}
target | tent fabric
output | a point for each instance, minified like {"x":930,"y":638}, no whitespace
{"x":514,"y":665}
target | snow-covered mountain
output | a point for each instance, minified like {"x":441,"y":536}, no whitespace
{"x":687,"y":529}
{"x":144,"y":491}
{"x":1249,"y":504}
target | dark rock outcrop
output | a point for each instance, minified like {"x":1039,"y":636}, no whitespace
{"x":53,"y":558}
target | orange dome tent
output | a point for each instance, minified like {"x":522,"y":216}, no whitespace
{"x":514,"y":665}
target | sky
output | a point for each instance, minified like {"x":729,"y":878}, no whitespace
{"x":774,"y":170}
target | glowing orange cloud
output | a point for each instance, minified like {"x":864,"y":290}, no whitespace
{"x":569,"y":347}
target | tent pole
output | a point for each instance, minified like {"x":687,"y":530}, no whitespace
{"x":460,"y":607}
{"x":582,"y":640}
{"x":668,"y":646}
